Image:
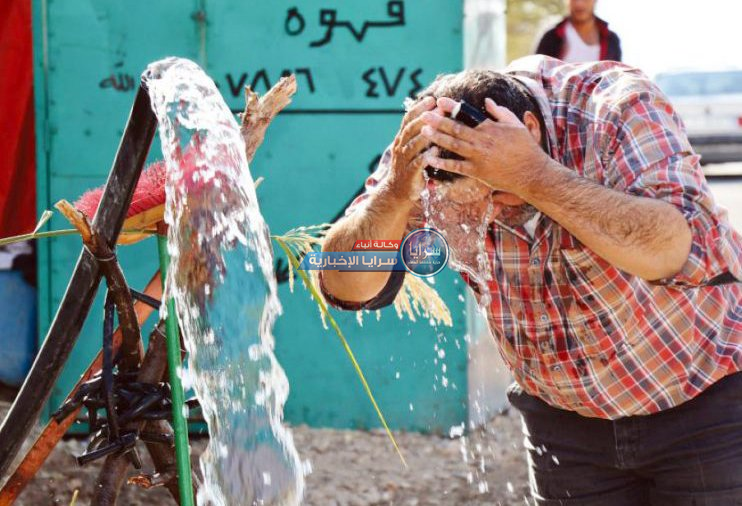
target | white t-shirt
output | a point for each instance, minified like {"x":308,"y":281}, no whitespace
{"x":530,"y":225}
{"x":577,"y":51}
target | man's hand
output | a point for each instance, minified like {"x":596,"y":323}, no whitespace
{"x":387,"y":212}
{"x":502,"y":154}
{"x":408,"y":161}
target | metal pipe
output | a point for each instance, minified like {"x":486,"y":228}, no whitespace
{"x":55,"y":429}
{"x":108,"y":310}
{"x":73,"y":310}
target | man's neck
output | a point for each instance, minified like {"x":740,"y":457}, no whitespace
{"x":516,"y":216}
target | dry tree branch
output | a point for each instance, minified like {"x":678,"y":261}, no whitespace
{"x":77,"y":219}
{"x":259,"y":112}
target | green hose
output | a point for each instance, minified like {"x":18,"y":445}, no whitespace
{"x":180,"y":426}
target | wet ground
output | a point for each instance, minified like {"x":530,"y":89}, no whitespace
{"x":353,"y":468}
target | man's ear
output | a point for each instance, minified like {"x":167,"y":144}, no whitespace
{"x":533,"y":126}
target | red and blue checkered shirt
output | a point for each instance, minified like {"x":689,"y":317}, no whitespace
{"x":576,"y":331}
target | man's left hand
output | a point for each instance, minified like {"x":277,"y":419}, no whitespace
{"x":502,"y":153}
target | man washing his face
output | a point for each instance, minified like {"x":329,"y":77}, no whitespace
{"x":613,"y":278}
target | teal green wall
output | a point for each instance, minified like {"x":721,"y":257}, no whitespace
{"x":88,"y":57}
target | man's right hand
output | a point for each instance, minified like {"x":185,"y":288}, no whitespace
{"x":408,"y":153}
{"x":385,"y":214}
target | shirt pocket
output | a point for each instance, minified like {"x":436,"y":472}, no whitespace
{"x":604,"y":313}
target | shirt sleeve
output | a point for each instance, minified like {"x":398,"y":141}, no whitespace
{"x":382,"y":299}
{"x":389,"y":292}
{"x":649,"y":155}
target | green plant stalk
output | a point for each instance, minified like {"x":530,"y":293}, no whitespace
{"x":38,"y":235}
{"x":57,"y":233}
{"x":180,"y":425}
{"x":336,"y":328}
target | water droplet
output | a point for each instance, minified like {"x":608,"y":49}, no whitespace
{"x":456,"y":430}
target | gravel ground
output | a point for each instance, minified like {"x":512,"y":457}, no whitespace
{"x":485,"y":467}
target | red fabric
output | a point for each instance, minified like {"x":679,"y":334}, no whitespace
{"x":149,"y":192}
{"x":603,"y":29}
{"x":17,"y":142}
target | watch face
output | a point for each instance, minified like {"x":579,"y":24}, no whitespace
{"x":441,"y":175}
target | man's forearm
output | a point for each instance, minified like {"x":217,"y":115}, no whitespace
{"x":645,"y":237}
{"x":384,"y":216}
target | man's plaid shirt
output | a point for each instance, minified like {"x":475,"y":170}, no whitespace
{"x":577,"y":332}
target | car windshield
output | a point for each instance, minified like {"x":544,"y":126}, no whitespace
{"x":701,"y":83}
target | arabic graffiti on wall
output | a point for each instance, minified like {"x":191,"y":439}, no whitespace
{"x":295,"y":23}
{"x":391,"y":81}
{"x":118,"y":82}
{"x":375,"y":82}
{"x":378,"y":81}
{"x":261,"y":82}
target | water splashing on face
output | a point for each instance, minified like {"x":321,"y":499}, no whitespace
{"x":226,"y":310}
{"x":462,"y":211}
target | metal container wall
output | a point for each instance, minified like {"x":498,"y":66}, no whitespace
{"x":355,"y":62}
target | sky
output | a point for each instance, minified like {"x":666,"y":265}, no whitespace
{"x":658,"y":35}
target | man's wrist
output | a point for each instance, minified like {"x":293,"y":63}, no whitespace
{"x":396,"y":193}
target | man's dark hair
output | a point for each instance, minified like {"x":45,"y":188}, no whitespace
{"x":473,"y":86}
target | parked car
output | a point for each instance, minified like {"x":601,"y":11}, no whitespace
{"x":710,"y":104}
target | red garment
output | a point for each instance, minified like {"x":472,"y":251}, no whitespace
{"x":17,"y":142}
{"x":553,"y":42}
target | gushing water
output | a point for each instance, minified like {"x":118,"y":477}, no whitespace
{"x":221,"y":277}
{"x":462,"y":214}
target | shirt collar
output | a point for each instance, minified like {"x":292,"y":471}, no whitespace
{"x":527,"y":76}
{"x":542,"y":228}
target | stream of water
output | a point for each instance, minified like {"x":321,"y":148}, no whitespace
{"x":221,"y":276}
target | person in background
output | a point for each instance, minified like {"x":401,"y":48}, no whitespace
{"x":581,"y":36}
